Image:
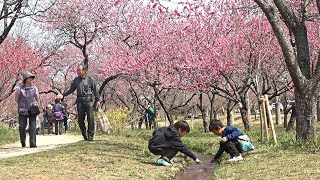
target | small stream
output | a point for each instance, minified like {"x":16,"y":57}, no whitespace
{"x":197,"y":171}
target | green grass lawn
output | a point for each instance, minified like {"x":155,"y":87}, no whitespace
{"x":8,"y":135}
{"x":108,"y":157}
{"x":287,"y":160}
{"x":126,"y":156}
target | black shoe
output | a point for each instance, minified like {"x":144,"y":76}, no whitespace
{"x":23,"y":144}
{"x":85,"y":138}
{"x":33,"y":146}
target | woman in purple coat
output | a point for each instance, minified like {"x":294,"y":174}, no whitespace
{"x":26,"y":96}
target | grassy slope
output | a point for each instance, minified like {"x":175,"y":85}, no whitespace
{"x":108,"y":157}
{"x":127,"y":157}
{"x":288,"y":160}
{"x":7,"y":135}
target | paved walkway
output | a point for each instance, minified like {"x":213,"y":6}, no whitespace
{"x":44,"y":142}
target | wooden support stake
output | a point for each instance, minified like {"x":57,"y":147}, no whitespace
{"x":263,"y":104}
{"x":261,"y":119}
{"x":270,"y":118}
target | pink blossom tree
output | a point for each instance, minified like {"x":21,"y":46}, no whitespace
{"x":16,"y":56}
{"x":293,"y":24}
{"x":166,"y":50}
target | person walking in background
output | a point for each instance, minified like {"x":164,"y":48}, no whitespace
{"x":150,"y":117}
{"x":87,"y":97}
{"x":38,"y":125}
{"x":65,"y":116}
{"x":27,"y":95}
{"x":49,"y":117}
{"x":58,"y":114}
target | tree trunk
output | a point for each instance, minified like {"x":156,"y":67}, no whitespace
{"x":255,"y":112}
{"x":215,"y":114}
{"x":244,"y":113}
{"x":244,"y":117}
{"x":306,"y":114}
{"x":318,"y":109}
{"x":297,"y":59}
{"x":278,"y":112}
{"x":285,"y":118}
{"x":292,"y":119}
{"x":213,"y":110}
{"x":267,"y":114}
{"x":230,"y":120}
{"x":248,"y":108}
{"x":204,"y":116}
{"x":5,"y":12}
{"x":168,"y":115}
{"x":155,"y":112}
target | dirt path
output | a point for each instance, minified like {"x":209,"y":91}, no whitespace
{"x":44,"y":142}
{"x":197,"y":171}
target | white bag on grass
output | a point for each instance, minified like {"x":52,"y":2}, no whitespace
{"x":245,"y":143}
{"x":103,"y":122}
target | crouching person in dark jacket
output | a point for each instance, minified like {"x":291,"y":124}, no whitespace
{"x":166,"y":142}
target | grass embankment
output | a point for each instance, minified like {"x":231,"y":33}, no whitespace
{"x":108,"y":157}
{"x":8,"y":135}
{"x":126,"y":157}
{"x":287,"y":160}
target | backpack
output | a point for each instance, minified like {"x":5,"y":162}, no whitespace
{"x":57,"y":108}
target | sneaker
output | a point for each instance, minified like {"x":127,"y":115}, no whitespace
{"x":168,"y":160}
{"x":162,"y":162}
{"x":235,"y":159}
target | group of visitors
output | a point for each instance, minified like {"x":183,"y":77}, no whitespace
{"x":56,"y":114}
{"x":27,"y":97}
{"x":165,"y":141}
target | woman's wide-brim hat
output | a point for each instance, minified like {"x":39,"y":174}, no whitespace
{"x":27,"y":75}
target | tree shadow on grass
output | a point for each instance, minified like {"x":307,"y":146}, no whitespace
{"x":117,"y":144}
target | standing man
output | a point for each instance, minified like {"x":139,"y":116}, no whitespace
{"x":87,"y":96}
